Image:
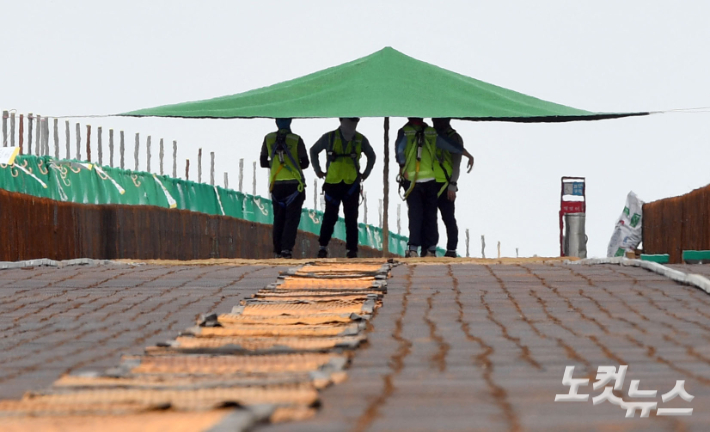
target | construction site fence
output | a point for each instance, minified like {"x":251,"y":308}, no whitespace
{"x":672,"y":225}
{"x":33,"y":228}
{"x":78,"y":182}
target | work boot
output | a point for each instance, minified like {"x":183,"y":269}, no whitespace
{"x":286,"y":254}
{"x":450,"y":254}
{"x":323,"y":253}
{"x":424,"y":252}
{"x":411,"y":254}
{"x":351,"y":254}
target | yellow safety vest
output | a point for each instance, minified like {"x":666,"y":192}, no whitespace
{"x":344,"y":164}
{"x":422,"y":167}
{"x":284,"y":157}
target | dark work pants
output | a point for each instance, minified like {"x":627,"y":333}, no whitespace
{"x":286,"y":217}
{"x":349,"y":195}
{"x":421,"y":205}
{"x":448,"y":215}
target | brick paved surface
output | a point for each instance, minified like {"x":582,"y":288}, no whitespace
{"x":473,"y":347}
{"x":54,"y":321}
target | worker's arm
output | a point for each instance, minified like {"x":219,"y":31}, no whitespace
{"x":302,"y":154}
{"x":371,"y":157}
{"x":399,"y":145}
{"x":316,"y":149}
{"x":264,"y":156}
{"x":451,"y":145}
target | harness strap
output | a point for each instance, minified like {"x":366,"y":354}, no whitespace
{"x":288,"y":201}
{"x":280,"y":148}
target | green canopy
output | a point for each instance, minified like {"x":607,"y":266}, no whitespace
{"x":386,"y":83}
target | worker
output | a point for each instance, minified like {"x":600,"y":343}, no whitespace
{"x":446,"y":173}
{"x":285,"y":154}
{"x":344,"y":147}
{"x":415,"y":148}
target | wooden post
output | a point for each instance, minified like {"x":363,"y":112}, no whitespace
{"x":241,"y":174}
{"x":253,"y":189}
{"x":45,"y":126}
{"x":187,"y":169}
{"x":5,"y":115}
{"x":147,"y":148}
{"x":315,"y":194}
{"x":110,"y":147}
{"x":22,"y":132}
{"x":78,"y":141}
{"x":380,"y":213}
{"x":100,"y":144}
{"x":211,"y":168}
{"x":498,"y":248}
{"x":88,"y":143}
{"x":136,"y":149}
{"x":199,"y":165}
{"x":121,"y":150}
{"x":56,"y":138}
{"x":12,"y":129}
{"x":226,"y":181}
{"x":399,"y":220}
{"x":67,"y":136}
{"x":516,"y":252}
{"x":30,"y":119}
{"x":467,"y":244}
{"x":38,"y":136}
{"x":386,"y":191}
{"x":364,"y":207}
{"x":483,"y":246}
{"x":174,"y":159}
{"x":161,"y":154}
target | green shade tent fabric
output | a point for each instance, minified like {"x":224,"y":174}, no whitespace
{"x":386,"y":83}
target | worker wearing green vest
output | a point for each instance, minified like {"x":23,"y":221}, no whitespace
{"x":285,"y":154}
{"x":344,"y":147}
{"x":446,"y":174}
{"x":416,"y":148}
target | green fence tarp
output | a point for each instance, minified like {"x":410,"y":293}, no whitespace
{"x":84,"y":183}
{"x":386,"y":83}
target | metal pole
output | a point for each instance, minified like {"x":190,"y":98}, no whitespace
{"x":12,"y":129}
{"x":174,"y":159}
{"x":253,"y":191}
{"x":56,"y":138}
{"x":199,"y":166}
{"x":211,"y":168}
{"x":483,"y":246}
{"x":241,"y":174}
{"x":386,"y":191}
{"x":467,"y":244}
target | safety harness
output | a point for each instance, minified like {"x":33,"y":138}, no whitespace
{"x":279,"y":150}
{"x":334,"y":156}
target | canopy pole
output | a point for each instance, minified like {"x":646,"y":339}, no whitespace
{"x":386,"y":192}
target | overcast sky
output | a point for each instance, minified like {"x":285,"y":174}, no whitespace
{"x":89,"y":57}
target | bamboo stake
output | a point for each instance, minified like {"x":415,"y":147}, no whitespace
{"x":12,"y":129}
{"x":187,"y":169}
{"x":315,"y":194}
{"x":88,"y":143}
{"x":56,"y":138}
{"x":226,"y":181}
{"x":38,"y":135}
{"x":364,"y":203}
{"x":45,"y":135}
{"x":110,"y":147}
{"x":253,"y":191}
{"x":30,"y":119}
{"x":67,"y":134}
{"x":399,"y":214}
{"x":379,"y":211}
{"x":174,"y":159}
{"x":386,"y":191}
{"x":483,"y":246}
{"x":22,"y":132}
{"x":78,"y":141}
{"x":467,"y":244}
{"x":136,"y":149}
{"x":161,"y":154}
{"x":241,"y":173}
{"x":211,"y":168}
{"x":5,"y":115}
{"x":199,"y":166}
{"x":499,"y":249}
{"x":121,"y":150}
{"x":147,"y":147}
{"x":100,"y":145}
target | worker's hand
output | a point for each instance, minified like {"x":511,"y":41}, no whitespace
{"x":320,"y":174}
{"x":470,"y":163}
{"x":451,"y":195}
{"x":405,"y":175}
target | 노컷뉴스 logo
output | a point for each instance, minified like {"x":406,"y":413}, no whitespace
{"x":607,"y":374}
